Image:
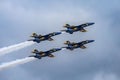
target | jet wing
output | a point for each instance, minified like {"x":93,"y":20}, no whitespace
{"x":74,"y":27}
{"x":72,"y":44}
{"x":75,"y":45}
{"x":51,"y":55}
{"x":42,"y":38}
{"x":42,"y":53}
{"x":82,"y":47}
{"x":50,"y":39}
{"x":83,"y":30}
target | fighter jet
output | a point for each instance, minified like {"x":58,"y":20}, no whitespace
{"x":70,"y":29}
{"x":40,"y":54}
{"x":73,"y":45}
{"x":39,"y":38}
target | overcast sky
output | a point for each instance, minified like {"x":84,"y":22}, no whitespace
{"x":100,"y":61}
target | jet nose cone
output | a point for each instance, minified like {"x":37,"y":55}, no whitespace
{"x":57,"y":33}
{"x":91,"y":23}
{"x":89,"y":41}
{"x":58,"y":49}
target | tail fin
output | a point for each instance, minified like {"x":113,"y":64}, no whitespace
{"x":66,"y":25}
{"x":35,"y":51}
{"x":34,"y":35}
{"x":67,"y":42}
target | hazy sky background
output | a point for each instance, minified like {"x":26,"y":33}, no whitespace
{"x":100,"y":61}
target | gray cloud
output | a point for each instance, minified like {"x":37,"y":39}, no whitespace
{"x":98,"y":62}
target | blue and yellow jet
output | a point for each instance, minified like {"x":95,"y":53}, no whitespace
{"x":40,"y":54}
{"x":39,"y":38}
{"x":73,"y":45}
{"x":70,"y":29}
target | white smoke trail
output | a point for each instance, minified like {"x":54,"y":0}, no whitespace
{"x":63,"y":32}
{"x":16,"y":62}
{"x":15,"y":47}
{"x":63,"y":48}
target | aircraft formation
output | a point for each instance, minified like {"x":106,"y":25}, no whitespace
{"x":70,"y":45}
